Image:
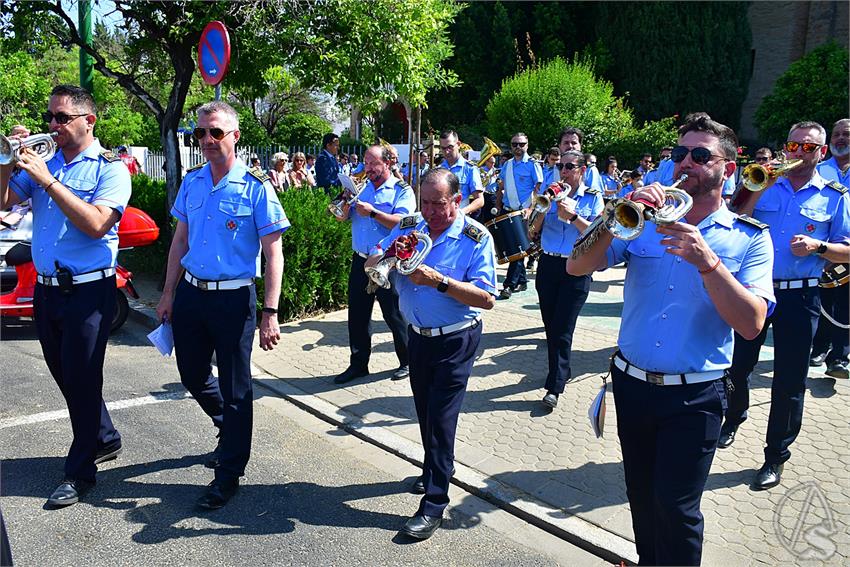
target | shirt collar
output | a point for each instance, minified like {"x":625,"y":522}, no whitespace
{"x":91,"y":152}
{"x":722,"y":216}
{"x":389,"y":183}
{"x":459,"y":163}
{"x":453,"y":231}
{"x":525,"y":157}
{"x":816,"y":182}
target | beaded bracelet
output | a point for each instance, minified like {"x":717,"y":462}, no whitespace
{"x":711,"y":269}
{"x":49,"y":185}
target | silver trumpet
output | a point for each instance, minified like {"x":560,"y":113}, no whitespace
{"x":404,"y":255}
{"x":556,"y":192}
{"x":42,"y":144}
{"x":625,"y":219}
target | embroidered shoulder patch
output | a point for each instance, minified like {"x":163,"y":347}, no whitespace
{"x":752,"y":222}
{"x":409,"y":221}
{"x":837,"y":186}
{"x":196,"y":167}
{"x":473,"y":232}
{"x":109,"y":156}
{"x":259,"y":175}
{"x":592,"y":190}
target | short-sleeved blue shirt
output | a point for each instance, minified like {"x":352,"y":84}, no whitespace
{"x":830,"y":171}
{"x":815,"y":210}
{"x":527,"y":173}
{"x":392,"y":197}
{"x":455,"y":254}
{"x":468,"y":177}
{"x":558,"y":236}
{"x":593,"y":179}
{"x":669,"y":322}
{"x":97,"y":179}
{"x":226,"y":222}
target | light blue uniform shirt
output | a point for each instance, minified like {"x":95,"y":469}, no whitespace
{"x":625,"y":190}
{"x":356,"y":169}
{"x":593,"y":179}
{"x":226,"y":221}
{"x":454,"y":254}
{"x":609,"y":185}
{"x":829,"y":170}
{"x":669,"y":322}
{"x":527,"y":173}
{"x":95,"y":180}
{"x":468,"y":176}
{"x":815,"y":210}
{"x":664,"y":173}
{"x":557,"y":235}
{"x":393,"y":198}
{"x":550,"y":175}
{"x":417,"y":171}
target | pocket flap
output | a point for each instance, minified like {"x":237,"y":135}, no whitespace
{"x":235,"y":208}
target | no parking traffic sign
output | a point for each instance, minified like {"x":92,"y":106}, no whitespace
{"x":214,"y":53}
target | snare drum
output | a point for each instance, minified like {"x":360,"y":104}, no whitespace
{"x":510,"y":237}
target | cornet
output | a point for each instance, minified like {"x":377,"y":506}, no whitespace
{"x":625,"y":219}
{"x":403,"y":255}
{"x":556,"y":192}
{"x":348,"y":196}
{"x":757,"y":177}
{"x":42,"y":144}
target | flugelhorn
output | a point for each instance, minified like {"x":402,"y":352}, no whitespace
{"x":625,"y":219}
{"x":557,"y":191}
{"x":42,"y":144}
{"x":404,"y":255}
{"x":757,"y":177}
{"x":351,"y":188}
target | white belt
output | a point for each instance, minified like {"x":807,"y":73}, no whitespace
{"x":665,"y":379}
{"x":556,"y":254}
{"x":795,"y":284}
{"x":219,"y":285}
{"x":81,"y":279}
{"x":361,"y":254}
{"x":437,"y":331}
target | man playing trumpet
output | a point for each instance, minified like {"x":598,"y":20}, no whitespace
{"x":562,"y":295}
{"x":689,"y":284}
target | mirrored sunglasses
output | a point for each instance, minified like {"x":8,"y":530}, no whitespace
{"x":216,"y":133}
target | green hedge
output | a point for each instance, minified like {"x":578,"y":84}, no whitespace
{"x":149,"y":195}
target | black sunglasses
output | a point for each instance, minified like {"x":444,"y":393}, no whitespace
{"x":567,"y":166}
{"x":216,"y":133}
{"x":699,"y":154}
{"x":519,"y":144}
{"x":60,"y":117}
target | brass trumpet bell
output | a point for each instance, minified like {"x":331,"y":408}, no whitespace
{"x":42,"y":144}
{"x":626,"y":219}
{"x":351,"y":188}
{"x":404,"y":255}
{"x":756,"y":177}
{"x":542,"y":201}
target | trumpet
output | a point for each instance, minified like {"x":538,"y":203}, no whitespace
{"x":625,"y":219}
{"x":42,"y":144}
{"x":556,"y":192}
{"x":404,"y":255}
{"x":351,"y":189}
{"x":757,"y":177}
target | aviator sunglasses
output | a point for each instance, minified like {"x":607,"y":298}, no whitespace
{"x":216,"y":133}
{"x":699,"y":155}
{"x":59,"y":117}
{"x":567,"y":166}
{"x":808,"y":147}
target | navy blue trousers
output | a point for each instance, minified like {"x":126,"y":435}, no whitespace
{"x":830,"y":339}
{"x":360,"y":306}
{"x":561,"y":298}
{"x":222,"y":322}
{"x":439,"y":371}
{"x":516,"y":274}
{"x":794,"y":320}
{"x":73,"y":331}
{"x":668,"y":435}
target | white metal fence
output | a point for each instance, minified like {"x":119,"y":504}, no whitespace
{"x":192,"y":156}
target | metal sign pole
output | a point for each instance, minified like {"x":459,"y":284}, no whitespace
{"x":218,"y":91}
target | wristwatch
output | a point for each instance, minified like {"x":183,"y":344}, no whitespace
{"x":271,"y":310}
{"x":443,"y":286}
{"x":574,"y":217}
{"x":373,"y":213}
{"x":821,"y":249}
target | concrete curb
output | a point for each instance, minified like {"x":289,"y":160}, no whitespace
{"x":573,"y":529}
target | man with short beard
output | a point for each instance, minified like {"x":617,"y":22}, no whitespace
{"x":809,"y":220}
{"x":837,"y":168}
{"x":688,"y":285}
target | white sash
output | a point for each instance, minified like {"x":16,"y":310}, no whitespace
{"x":510,"y":186}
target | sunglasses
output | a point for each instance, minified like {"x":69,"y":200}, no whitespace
{"x":762,"y":158}
{"x":519,"y":144}
{"x":567,"y":166}
{"x":808,"y":147}
{"x":59,"y":117}
{"x":216,"y":133}
{"x":699,"y":155}
{"x":449,"y":147}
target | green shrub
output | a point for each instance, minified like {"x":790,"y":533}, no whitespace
{"x":795,"y":97}
{"x":628,"y":145}
{"x":299,"y":128}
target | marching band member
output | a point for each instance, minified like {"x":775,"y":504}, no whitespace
{"x":688,"y":285}
{"x":442,"y":300}
{"x":810,"y":225}
{"x":379,"y":208}
{"x":471,"y":190}
{"x":563,"y":295}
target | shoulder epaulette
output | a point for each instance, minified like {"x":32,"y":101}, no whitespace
{"x":837,"y":186}
{"x":260,"y":176}
{"x":473,"y":232}
{"x":409,"y":221}
{"x":109,"y":156}
{"x":404,"y":184}
{"x":592,"y":190}
{"x":753,"y":222}
{"x":196,"y":167}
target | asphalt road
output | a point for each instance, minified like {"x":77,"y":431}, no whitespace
{"x":312,"y":494}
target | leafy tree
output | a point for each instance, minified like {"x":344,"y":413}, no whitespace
{"x":23,"y":92}
{"x":300,"y":128}
{"x":794,"y":99}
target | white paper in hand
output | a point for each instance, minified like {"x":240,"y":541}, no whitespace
{"x":163,"y":339}
{"x":596,"y":413}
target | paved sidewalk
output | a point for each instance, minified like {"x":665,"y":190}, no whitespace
{"x":548,"y":468}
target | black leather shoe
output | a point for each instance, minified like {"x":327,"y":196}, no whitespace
{"x":817,"y":359}
{"x":418,"y":486}
{"x":506,"y":293}
{"x":421,"y":526}
{"x":69,"y":492}
{"x":767,"y":477}
{"x":218,"y":494}
{"x":838,"y":369}
{"x":550,"y":400}
{"x":107,"y":454}
{"x":215,"y":456}
{"x":521,"y":287}
{"x":350,"y":374}
{"x":401,"y":373}
{"x":727,"y":436}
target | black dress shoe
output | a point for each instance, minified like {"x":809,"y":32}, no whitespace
{"x":838,"y":369}
{"x":107,"y":454}
{"x":506,"y":293}
{"x":418,"y":486}
{"x":550,"y":400}
{"x":69,"y":492}
{"x":401,"y":373}
{"x":215,"y":456}
{"x":767,"y":477}
{"x":421,"y":526}
{"x":817,"y":359}
{"x":521,"y":287}
{"x":218,"y":493}
{"x":727,"y":436}
{"x":350,"y":374}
